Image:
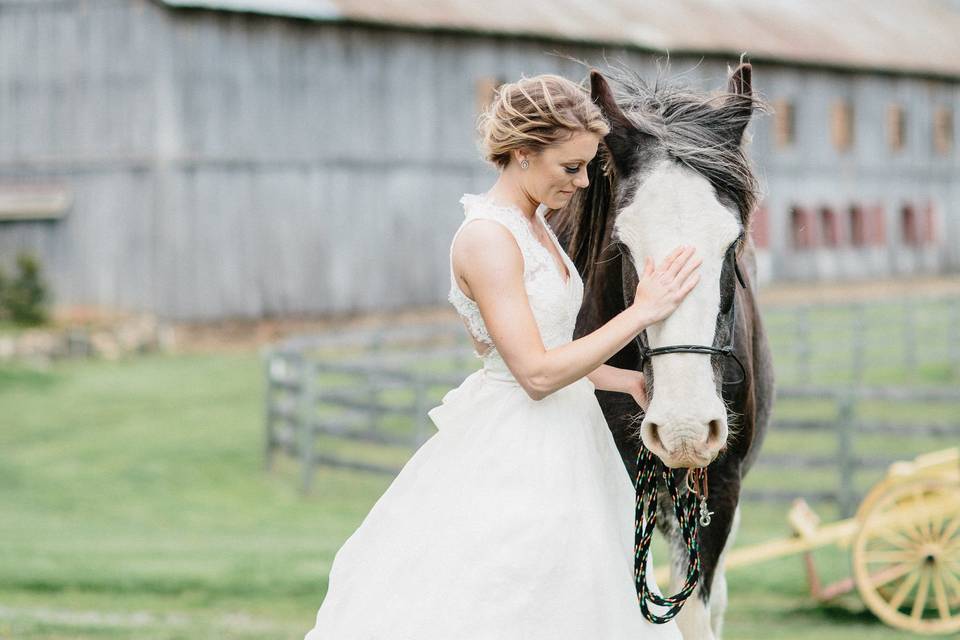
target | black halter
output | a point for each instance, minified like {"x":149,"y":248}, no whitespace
{"x":646,"y":352}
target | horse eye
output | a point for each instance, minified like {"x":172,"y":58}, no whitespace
{"x":726,"y":300}
{"x":726,"y":295}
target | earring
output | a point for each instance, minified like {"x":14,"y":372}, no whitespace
{"x":524,"y":164}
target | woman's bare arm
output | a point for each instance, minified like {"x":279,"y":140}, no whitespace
{"x":608,"y":378}
{"x":487,"y":257}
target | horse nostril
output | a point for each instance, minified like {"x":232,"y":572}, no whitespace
{"x":655,"y":435}
{"x":715,"y":433}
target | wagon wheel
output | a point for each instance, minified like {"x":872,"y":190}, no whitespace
{"x":906,"y":556}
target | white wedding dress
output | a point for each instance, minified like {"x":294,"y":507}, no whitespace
{"x":515,"y":520}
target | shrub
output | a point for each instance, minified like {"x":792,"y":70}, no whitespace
{"x":24,"y":298}
{"x":4,"y":287}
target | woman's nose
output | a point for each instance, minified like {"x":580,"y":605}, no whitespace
{"x":582,"y":181}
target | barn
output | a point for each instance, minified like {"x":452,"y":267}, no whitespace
{"x":208,"y":159}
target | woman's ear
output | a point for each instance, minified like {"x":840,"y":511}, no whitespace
{"x":519,"y":154}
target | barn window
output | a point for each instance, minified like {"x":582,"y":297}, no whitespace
{"x":802,"y":227}
{"x":485,"y":89}
{"x":841,"y":125}
{"x":877,"y":233}
{"x":784,"y":124}
{"x":858,"y":226}
{"x":943,"y":130}
{"x":760,"y":227}
{"x":909,"y":229}
{"x":896,"y":127}
{"x":930,"y":224}
{"x":830,"y":226}
{"x":34,"y":201}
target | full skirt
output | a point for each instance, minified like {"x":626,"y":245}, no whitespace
{"x":513,"y":522}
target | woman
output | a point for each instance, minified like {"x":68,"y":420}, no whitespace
{"x":515,"y":520}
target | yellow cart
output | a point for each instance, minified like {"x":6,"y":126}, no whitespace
{"x":904,"y":541}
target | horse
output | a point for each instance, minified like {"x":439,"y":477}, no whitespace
{"x":671,"y":171}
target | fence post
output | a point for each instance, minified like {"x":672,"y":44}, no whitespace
{"x":268,"y":445}
{"x":419,"y":409}
{"x":953,"y":336}
{"x":803,"y":346}
{"x":859,"y":342}
{"x":376,"y":409}
{"x":306,"y":414}
{"x":909,"y":337}
{"x":846,"y":456}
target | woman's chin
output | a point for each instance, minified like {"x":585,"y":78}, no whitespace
{"x":559,"y":200}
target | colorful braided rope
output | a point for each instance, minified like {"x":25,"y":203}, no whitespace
{"x":685,"y":509}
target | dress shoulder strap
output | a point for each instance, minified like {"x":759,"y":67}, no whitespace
{"x":477,"y":206}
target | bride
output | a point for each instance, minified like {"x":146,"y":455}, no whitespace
{"x":515,"y":520}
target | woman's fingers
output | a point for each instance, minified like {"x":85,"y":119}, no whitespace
{"x":670,"y":258}
{"x":688,"y":268}
{"x":689,"y":284}
{"x":647,"y":266}
{"x":679,"y":261}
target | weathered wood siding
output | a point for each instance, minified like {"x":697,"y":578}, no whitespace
{"x":227,"y":164}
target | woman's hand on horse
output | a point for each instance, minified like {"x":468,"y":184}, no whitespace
{"x":660,"y":290}
{"x":637,"y":388}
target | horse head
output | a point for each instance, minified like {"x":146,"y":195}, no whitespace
{"x":673,"y":172}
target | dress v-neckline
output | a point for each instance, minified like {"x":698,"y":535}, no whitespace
{"x":559,"y":268}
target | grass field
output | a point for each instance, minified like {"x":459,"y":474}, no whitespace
{"x":133,"y":503}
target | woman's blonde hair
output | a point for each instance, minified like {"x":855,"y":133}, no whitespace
{"x":534,"y":113}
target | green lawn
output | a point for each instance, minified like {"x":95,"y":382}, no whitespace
{"x":133,"y":503}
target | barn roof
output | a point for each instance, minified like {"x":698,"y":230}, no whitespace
{"x":917,"y":37}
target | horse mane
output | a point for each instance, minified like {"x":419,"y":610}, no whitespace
{"x":692,"y":128}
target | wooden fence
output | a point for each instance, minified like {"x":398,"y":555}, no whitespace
{"x":864,"y":342}
{"x":846,"y":424}
{"x":327,"y":394}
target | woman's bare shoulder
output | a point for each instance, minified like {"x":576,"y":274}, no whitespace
{"x":486,"y":249}
{"x":483,"y":237}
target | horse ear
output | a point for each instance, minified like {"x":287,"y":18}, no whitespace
{"x":740,"y":88}
{"x":741,"y":80}
{"x":623,"y":137}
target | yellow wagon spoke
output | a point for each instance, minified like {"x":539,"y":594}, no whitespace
{"x":895,"y":539}
{"x":936,"y":524}
{"x":918,"y":500}
{"x":888,"y":575}
{"x":951,"y":529}
{"x":951,"y":553}
{"x":890,"y":557}
{"x":952,"y":580}
{"x":901,"y":593}
{"x":943,"y":606}
{"x":921,"y":600}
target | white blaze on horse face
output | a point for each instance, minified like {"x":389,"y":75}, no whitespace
{"x":677,"y":206}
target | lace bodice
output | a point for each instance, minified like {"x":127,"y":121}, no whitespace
{"x":554,"y":304}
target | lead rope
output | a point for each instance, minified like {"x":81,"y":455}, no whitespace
{"x":685,"y":510}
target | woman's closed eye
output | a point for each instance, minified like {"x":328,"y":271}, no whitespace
{"x":573,"y":169}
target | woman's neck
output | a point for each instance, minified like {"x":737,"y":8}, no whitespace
{"x":507,"y":191}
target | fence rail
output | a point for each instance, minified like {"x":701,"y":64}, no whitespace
{"x":854,"y":342}
{"x":845,"y":426}
{"x":375,"y":386}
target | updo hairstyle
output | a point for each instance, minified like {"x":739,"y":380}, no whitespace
{"x":534,"y":113}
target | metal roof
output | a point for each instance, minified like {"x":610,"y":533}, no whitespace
{"x":916,"y":36}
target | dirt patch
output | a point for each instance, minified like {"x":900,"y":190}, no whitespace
{"x":833,"y":292}
{"x":246,"y":335}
